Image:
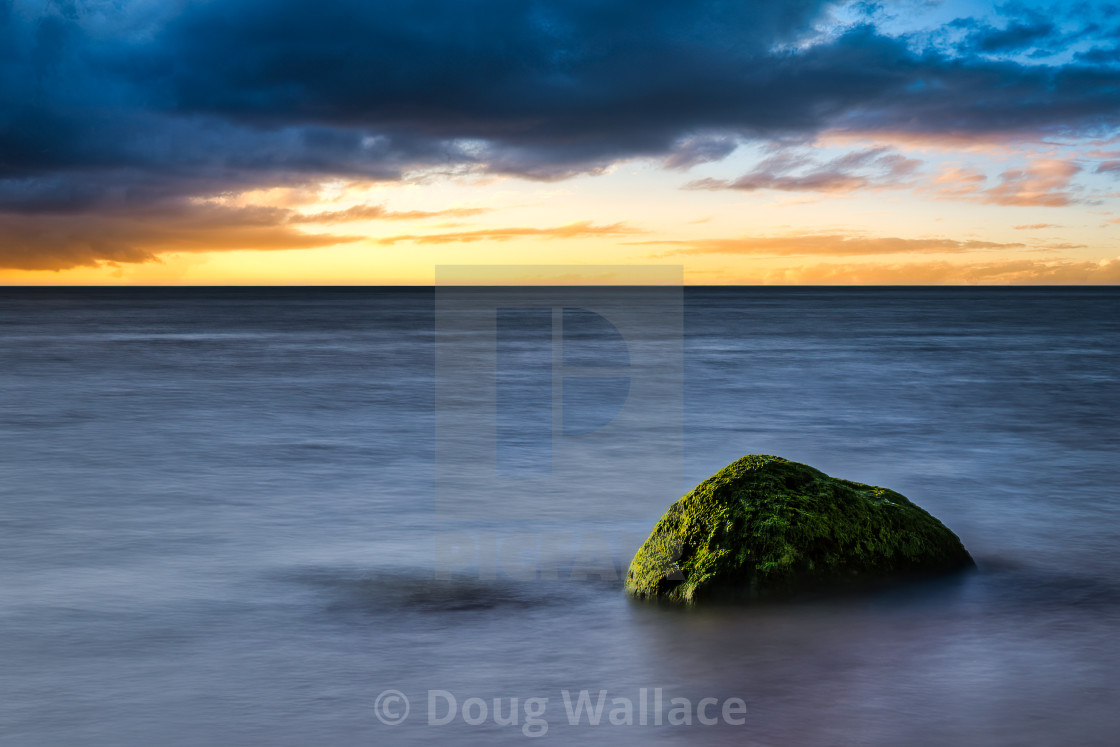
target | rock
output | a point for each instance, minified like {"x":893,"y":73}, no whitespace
{"x":764,"y":526}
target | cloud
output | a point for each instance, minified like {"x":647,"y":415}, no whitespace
{"x":1035,"y":226}
{"x":696,"y":150}
{"x":1032,"y":31}
{"x":580,"y":229}
{"x":797,"y":172}
{"x":379,"y":212}
{"x":1044,"y":183}
{"x":116,"y":107}
{"x":1015,"y":36}
{"x":1010,"y":272}
{"x":955,"y":182}
{"x":246,"y":89}
{"x":826,"y":244}
{"x":67,"y":241}
{"x":140,"y":234}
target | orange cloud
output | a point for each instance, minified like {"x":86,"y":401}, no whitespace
{"x":1012,"y":272}
{"x":59,"y":242}
{"x":579,"y":229}
{"x":826,"y":244}
{"x":1035,"y":226}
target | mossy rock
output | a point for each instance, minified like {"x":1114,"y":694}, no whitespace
{"x":764,"y":526}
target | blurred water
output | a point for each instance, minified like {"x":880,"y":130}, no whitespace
{"x":217,"y":508}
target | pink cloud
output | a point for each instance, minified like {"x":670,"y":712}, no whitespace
{"x":580,"y":229}
{"x":1044,"y":183}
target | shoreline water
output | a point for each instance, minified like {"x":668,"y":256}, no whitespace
{"x":218,"y":515}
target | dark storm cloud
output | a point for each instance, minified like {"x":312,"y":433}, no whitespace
{"x":1016,"y":36}
{"x":111,"y":106}
{"x":1033,"y":31}
{"x":588,"y":80}
{"x":236,"y":88}
{"x":1099,"y":56}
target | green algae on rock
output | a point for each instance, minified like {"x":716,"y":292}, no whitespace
{"x":764,"y":526}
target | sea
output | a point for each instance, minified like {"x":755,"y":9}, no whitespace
{"x":308,"y":516}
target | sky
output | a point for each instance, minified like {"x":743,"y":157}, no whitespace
{"x":153,"y":142}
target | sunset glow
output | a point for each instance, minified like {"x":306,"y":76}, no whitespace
{"x":799,"y":143}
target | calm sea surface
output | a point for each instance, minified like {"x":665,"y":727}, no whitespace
{"x":217,"y":514}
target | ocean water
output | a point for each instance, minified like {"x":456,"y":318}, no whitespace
{"x":219,"y":523}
